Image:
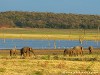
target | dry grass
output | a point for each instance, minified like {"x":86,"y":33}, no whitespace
{"x":43,"y":33}
{"x":49,"y":36}
{"x":47,"y":67}
{"x":50,"y":65}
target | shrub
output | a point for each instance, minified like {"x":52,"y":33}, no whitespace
{"x":46,"y":57}
{"x":56,"y":57}
{"x":36,"y":73}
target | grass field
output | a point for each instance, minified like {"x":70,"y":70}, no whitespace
{"x":48,"y":67}
{"x":69,"y":34}
{"x":50,"y":63}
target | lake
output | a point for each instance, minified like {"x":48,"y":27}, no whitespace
{"x":45,"y":44}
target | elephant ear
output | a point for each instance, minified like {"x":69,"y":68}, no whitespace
{"x":30,"y":49}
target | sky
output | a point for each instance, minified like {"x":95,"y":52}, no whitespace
{"x":55,"y":6}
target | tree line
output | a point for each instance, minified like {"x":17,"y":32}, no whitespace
{"x":48,"y":20}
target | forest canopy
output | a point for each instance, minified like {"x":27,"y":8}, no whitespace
{"x":12,"y":19}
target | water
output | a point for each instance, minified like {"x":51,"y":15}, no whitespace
{"x":45,"y":44}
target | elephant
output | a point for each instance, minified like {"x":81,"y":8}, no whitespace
{"x":68,"y":51}
{"x":90,"y":48}
{"x":77,"y":50}
{"x":25,"y":51}
{"x":13,"y":52}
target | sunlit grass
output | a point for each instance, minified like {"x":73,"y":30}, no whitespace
{"x":47,"y":67}
{"x":69,"y":34}
{"x":53,"y":64}
{"x":50,"y":36}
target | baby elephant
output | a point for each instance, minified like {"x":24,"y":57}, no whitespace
{"x":90,"y":48}
{"x":68,"y":51}
{"x":13,"y":52}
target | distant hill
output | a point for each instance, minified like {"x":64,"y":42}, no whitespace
{"x":11,"y":19}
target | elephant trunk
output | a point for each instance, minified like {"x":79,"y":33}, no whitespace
{"x":33,"y":52}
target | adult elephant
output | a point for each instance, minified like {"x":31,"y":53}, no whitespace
{"x":25,"y":51}
{"x":13,"y":52}
{"x":90,"y":48}
{"x":77,"y":50}
{"x":68,"y":51}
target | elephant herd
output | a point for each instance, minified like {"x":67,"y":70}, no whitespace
{"x":25,"y":51}
{"x":77,"y":50}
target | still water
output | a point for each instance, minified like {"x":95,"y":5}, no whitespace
{"x":45,"y":44}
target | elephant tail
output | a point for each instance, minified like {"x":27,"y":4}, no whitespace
{"x":82,"y":48}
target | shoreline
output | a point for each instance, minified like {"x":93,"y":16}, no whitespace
{"x":46,"y":51}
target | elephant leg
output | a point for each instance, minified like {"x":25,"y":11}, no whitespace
{"x":24,"y":54}
{"x":90,"y":52}
{"x":10,"y":53}
{"x":74,"y":53}
{"x":29,"y":54}
{"x":70,"y":54}
{"x":77,"y":53}
{"x":15,"y":54}
{"x":21,"y":54}
{"x":64,"y":54}
{"x":81,"y":53}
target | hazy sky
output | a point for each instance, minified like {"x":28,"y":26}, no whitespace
{"x":57,"y":6}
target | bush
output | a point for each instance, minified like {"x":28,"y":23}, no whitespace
{"x":55,"y":57}
{"x":47,"y":57}
{"x":36,"y":73}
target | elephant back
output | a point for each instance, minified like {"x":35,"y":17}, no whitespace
{"x":78,"y":48}
{"x":25,"y":49}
